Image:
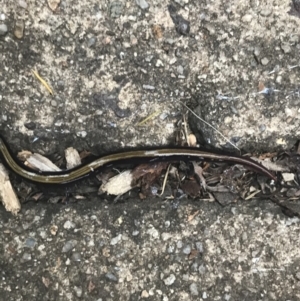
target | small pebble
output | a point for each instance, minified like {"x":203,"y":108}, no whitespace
{"x":279,"y":79}
{"x":262,"y":127}
{"x":202,"y":269}
{"x":3,"y":29}
{"x":171,"y":249}
{"x":148,"y":87}
{"x":165,"y":236}
{"x":264,"y":61}
{"x":116,"y":239}
{"x":82,"y":134}
{"x":111,"y":277}
{"x":180,"y":69}
{"x":53,"y":4}
{"x":286,"y":48}
{"x":69,"y":245}
{"x":116,"y":9}
{"x":69,"y":225}
{"x":170,"y":280}
{"x":297,"y":276}
{"x":22,"y":4}
{"x":187,"y":250}
{"x":194,"y":289}
{"x":199,"y":246}
{"x":26,"y":257}
{"x":19,"y":29}
{"x":30,"y":125}
{"x":78,"y":291}
{"x":143,"y":4}
{"x":265,"y":12}
{"x":153,"y":232}
{"x":91,"y":42}
{"x":179,"y":244}
{"x":144,"y":294}
{"x":159,"y":63}
{"x":30,"y":242}
{"x":76,"y":257}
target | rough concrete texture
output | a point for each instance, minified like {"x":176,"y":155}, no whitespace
{"x":111,"y":64}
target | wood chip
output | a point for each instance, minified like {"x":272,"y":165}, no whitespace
{"x":118,"y":184}
{"x":41,"y":163}
{"x":7,"y":194}
{"x":72,"y":157}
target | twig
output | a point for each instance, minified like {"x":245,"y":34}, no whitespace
{"x":209,"y":125}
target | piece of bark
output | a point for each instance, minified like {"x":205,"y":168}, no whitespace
{"x":7,"y":194}
{"x":118,"y":184}
{"x":39,"y":162}
{"x":72,"y":157}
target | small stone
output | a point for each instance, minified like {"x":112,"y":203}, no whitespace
{"x":199,"y":246}
{"x":69,"y":225}
{"x":30,"y":242}
{"x":202,"y":269}
{"x":165,"y":236}
{"x":76,"y":257}
{"x":78,"y":291}
{"x":194,"y":289}
{"x":19,"y":29}
{"x":2,"y":17}
{"x":257,"y":51}
{"x":180,"y":69}
{"x":116,"y":239}
{"x":227,"y":297}
{"x":204,"y":295}
{"x":30,"y":125}
{"x":153,"y":232}
{"x":187,"y":250}
{"x":227,"y":120}
{"x":144,"y":294}
{"x":148,"y":87}
{"x":53,"y":230}
{"x":3,"y":29}
{"x":247,"y":18}
{"x":82,"y":134}
{"x":170,"y":280}
{"x":69,"y":245}
{"x":22,"y":4}
{"x":53,"y":103}
{"x":171,"y":249}
{"x":116,"y":9}
{"x":159,"y":63}
{"x":179,"y":244}
{"x":288,"y":177}
{"x":264,"y":61}
{"x":53,"y":4}
{"x":286,"y":48}
{"x":297,"y":276}
{"x":26,"y":257}
{"x":262,"y":127}
{"x":91,"y":42}
{"x":111,"y":277}
{"x":266,"y":12}
{"x":142,"y":4}
{"x":278,"y":79}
